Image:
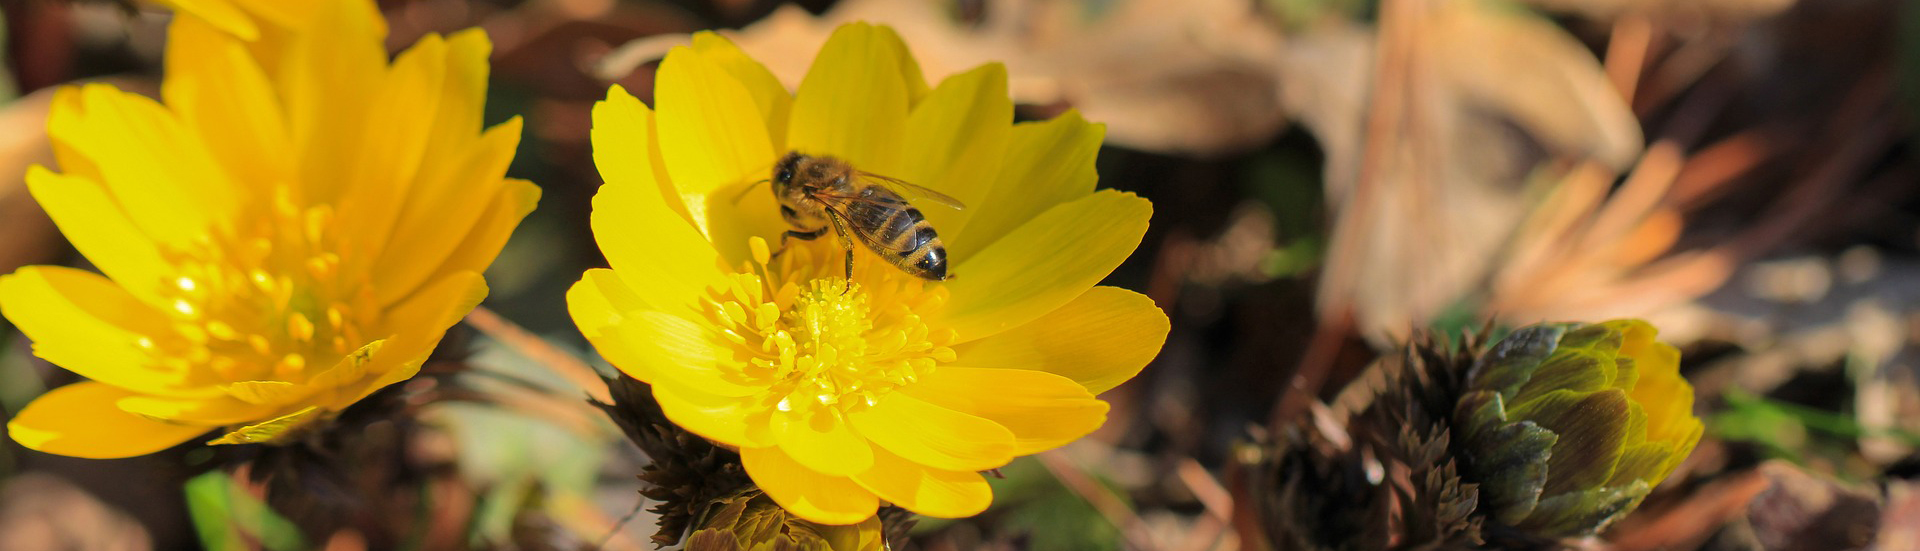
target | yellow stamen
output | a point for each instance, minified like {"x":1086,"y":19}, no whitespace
{"x":821,"y":340}
{"x":247,"y":304}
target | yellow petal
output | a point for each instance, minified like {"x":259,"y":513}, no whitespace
{"x":821,"y":439}
{"x":463,"y":94}
{"x":634,"y":218}
{"x":71,"y":161}
{"x":96,"y":225}
{"x":221,"y":14}
{"x":272,"y":429}
{"x":80,"y":420}
{"x":417,"y":323}
{"x":713,"y":200}
{"x":907,"y":66}
{"x":326,"y":81}
{"x":1636,"y":336}
{"x":438,"y":306}
{"x":599,"y":300}
{"x":958,"y":137}
{"x":930,"y":492}
{"x":1100,"y":339}
{"x":221,"y":410}
{"x":666,"y":350}
{"x":1660,"y":389}
{"x":226,"y":101}
{"x":1047,"y":163}
{"x":1668,"y":399}
{"x":1044,"y":264}
{"x":1044,"y":411}
{"x":483,"y":241}
{"x":448,"y":210}
{"x":711,"y":133}
{"x":430,"y":311}
{"x":852,"y":104}
{"x":86,"y":324}
{"x":812,"y":496}
{"x":459,"y":187}
{"x":724,"y":419}
{"x":772,"y":99}
{"x":262,"y":392}
{"x":165,"y":180}
{"x":934,"y":436}
{"x":339,"y":385}
{"x":301,"y":16}
{"x":1683,"y":446}
{"x":625,"y":151}
{"x":391,"y":148}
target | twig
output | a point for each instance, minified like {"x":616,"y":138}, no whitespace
{"x":1214,"y":496}
{"x":1323,"y":349}
{"x":539,"y":350}
{"x":1859,"y":132}
{"x":582,"y":517}
{"x":572,"y":414}
{"x":1101,"y":498}
{"x":1627,"y":53}
{"x":1710,"y":171}
{"x":1690,"y":62}
{"x":639,"y":503}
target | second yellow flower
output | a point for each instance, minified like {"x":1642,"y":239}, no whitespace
{"x":841,"y":394}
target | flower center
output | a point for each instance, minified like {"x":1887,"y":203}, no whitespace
{"x":813,"y":340}
{"x":266,"y":301}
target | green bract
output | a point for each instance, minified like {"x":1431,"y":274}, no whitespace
{"x":751,"y":521}
{"x":1568,"y":426}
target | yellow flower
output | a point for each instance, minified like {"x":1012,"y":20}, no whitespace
{"x":894,"y":387}
{"x":292,"y":229}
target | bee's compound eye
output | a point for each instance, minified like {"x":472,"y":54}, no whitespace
{"x":785,"y":175}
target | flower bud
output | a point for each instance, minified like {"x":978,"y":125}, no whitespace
{"x":751,"y":521}
{"x":1567,"y":427}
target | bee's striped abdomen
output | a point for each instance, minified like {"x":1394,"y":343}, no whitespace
{"x":900,"y":235}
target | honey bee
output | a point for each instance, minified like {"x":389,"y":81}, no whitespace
{"x":815,"y":191}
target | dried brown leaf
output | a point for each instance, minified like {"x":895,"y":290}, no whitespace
{"x":1900,"y":521}
{"x":1803,"y":512}
{"x":27,"y":236}
{"x":1587,"y":253}
{"x":42,"y":512}
{"x":1687,"y":523}
{"x":1196,"y":77}
{"x":1775,"y":507}
{"x":1725,"y":9}
{"x":1428,"y":179}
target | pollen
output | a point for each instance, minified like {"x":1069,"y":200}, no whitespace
{"x":247,"y":301}
{"x":814,"y":341}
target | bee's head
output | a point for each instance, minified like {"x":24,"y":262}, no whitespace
{"x":785,"y":170}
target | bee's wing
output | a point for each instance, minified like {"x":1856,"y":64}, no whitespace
{"x":917,"y":190}
{"x":867,"y":231}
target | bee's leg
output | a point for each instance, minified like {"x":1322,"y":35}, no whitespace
{"x":846,"y":242}
{"x":849,"y":285}
{"x":797,"y":234}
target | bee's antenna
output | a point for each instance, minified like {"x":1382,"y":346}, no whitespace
{"x":743,"y":191}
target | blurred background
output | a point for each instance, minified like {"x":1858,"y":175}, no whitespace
{"x":1328,"y":177}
